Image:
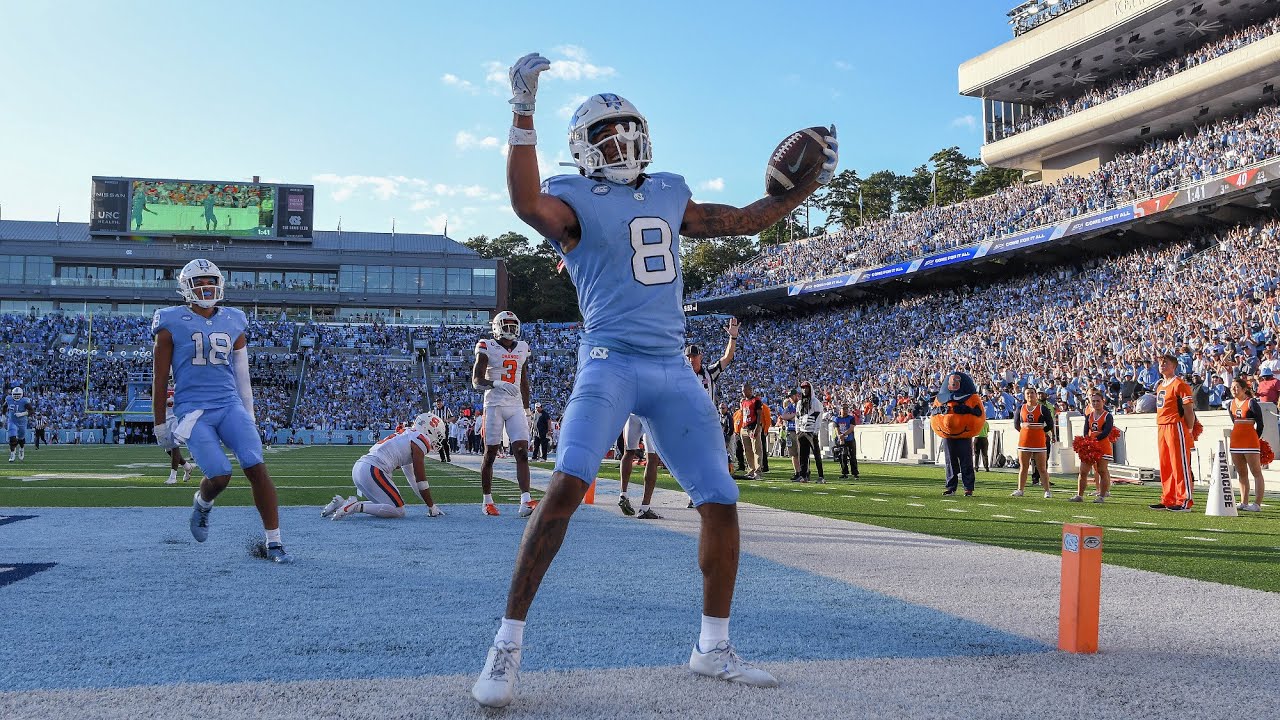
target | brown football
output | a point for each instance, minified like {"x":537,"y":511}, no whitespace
{"x":796,"y":160}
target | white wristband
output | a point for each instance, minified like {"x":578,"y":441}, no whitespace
{"x":520,"y":136}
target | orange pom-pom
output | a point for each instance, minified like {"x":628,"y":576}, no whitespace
{"x":1265,"y":453}
{"x":1195,"y":431}
{"x":1088,"y":449}
{"x":1115,"y":434}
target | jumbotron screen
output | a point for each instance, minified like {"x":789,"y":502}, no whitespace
{"x":141,"y":206}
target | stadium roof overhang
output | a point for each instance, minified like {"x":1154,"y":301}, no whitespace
{"x":1234,"y":198}
{"x":1096,"y":42}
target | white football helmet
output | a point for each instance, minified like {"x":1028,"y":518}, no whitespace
{"x":631,"y":138}
{"x":432,"y":426}
{"x":16,"y":393}
{"x":201,"y":268}
{"x":506,"y":326}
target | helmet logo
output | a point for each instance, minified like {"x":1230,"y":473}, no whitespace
{"x":611,"y":101}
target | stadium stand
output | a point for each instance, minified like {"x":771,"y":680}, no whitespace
{"x":1159,"y":166}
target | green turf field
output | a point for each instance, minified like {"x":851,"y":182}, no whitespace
{"x":134,"y":475}
{"x":1237,"y":551}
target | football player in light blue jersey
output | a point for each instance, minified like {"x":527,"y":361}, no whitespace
{"x":17,"y":413}
{"x":618,"y":230}
{"x":204,"y":346}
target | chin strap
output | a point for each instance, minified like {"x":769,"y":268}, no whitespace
{"x":240,"y":364}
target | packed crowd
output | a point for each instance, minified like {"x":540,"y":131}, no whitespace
{"x":1138,"y":78}
{"x":357,"y":391}
{"x":1211,"y":300}
{"x":1157,"y":167}
{"x":1034,"y":15}
{"x":183,"y":193}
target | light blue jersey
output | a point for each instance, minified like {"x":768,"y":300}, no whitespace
{"x":626,"y":266}
{"x":203,"y":378}
{"x":17,"y":413}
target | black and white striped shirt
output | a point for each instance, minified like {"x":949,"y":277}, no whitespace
{"x":709,"y":375}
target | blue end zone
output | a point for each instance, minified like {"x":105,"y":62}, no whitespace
{"x":134,"y":600}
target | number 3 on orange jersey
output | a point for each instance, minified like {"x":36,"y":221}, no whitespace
{"x":510,"y":366}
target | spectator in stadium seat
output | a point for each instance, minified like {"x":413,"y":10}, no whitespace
{"x":752,"y":429}
{"x":1268,"y":386}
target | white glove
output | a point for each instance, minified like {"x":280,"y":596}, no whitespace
{"x":435,"y":511}
{"x":164,"y":435}
{"x":507,"y":388}
{"x":832,"y":152}
{"x":524,"y":82}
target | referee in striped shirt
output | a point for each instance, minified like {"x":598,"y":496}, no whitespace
{"x":709,"y":374}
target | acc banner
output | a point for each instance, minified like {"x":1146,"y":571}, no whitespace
{"x":888,"y":271}
{"x":1021,"y":240}
{"x":827,"y":283}
{"x":949,"y":258}
{"x":1100,"y":220}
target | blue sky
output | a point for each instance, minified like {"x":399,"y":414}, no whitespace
{"x":399,"y":109}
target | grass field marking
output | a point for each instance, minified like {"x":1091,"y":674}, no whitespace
{"x":987,"y":505}
{"x":914,"y":497}
{"x":1201,"y":539}
{"x":878,"y":500}
{"x":1140,"y":522}
{"x":822,"y":493}
{"x":77,"y":476}
{"x":957,"y":510}
{"x":1030,"y":510}
{"x":915,"y":504}
{"x":1123,"y":530}
{"x":796,"y":490}
{"x":1084,"y":517}
{"x":1005,"y":517}
{"x":1052,"y":522}
{"x":950,"y":500}
{"x":1217,"y":530}
{"x":849,"y":496}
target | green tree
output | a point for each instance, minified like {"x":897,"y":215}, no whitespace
{"x":703,"y":260}
{"x":954,"y":174}
{"x":536,"y":291}
{"x":914,"y":190}
{"x":990,"y":179}
{"x":840,"y":199}
{"x":879,"y":192}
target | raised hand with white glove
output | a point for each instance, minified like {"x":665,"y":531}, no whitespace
{"x":524,"y":82}
{"x":832,"y":151}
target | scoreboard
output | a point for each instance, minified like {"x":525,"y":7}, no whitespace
{"x":157,"y":207}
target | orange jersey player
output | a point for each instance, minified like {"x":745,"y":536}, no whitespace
{"x":1175,"y":416}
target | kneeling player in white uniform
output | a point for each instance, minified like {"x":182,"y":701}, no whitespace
{"x":502,"y":371}
{"x":373,"y":474}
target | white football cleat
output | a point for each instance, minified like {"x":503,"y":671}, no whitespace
{"x":22,"y":453}
{"x":337,"y":502}
{"x":12,"y":455}
{"x":526,"y":509}
{"x":186,"y":471}
{"x":723,"y":663}
{"x":1016,"y":493}
{"x":1048,"y":494}
{"x":350,"y":507}
{"x":173,"y":478}
{"x":496,"y":686}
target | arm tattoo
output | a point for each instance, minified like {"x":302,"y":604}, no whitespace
{"x":720,"y":220}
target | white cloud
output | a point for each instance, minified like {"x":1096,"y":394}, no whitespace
{"x":842,"y":65}
{"x":573,"y":52}
{"x":455,"y":81}
{"x":467,"y":141}
{"x":475,"y":192}
{"x":713,"y":185}
{"x":969,"y":122}
{"x":574,"y":70}
{"x":435,"y":223}
{"x":382,"y":187}
{"x":566,"y":110}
